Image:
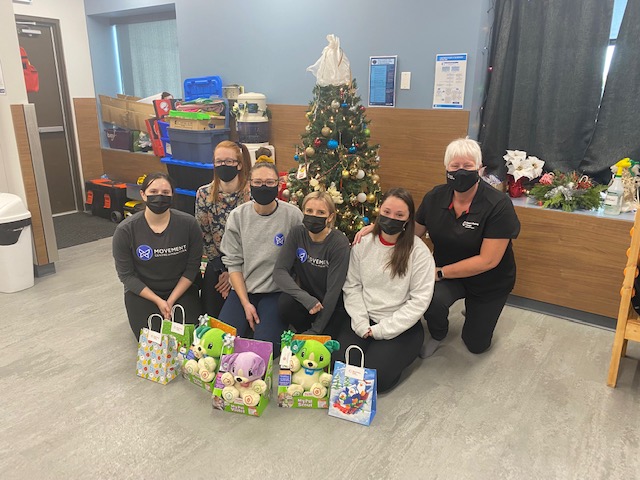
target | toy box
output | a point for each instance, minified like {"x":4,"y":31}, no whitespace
{"x":223,"y":346}
{"x":251,"y":391}
{"x":106,"y":198}
{"x":313,"y":371}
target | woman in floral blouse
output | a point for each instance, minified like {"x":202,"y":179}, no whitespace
{"x":214,"y":202}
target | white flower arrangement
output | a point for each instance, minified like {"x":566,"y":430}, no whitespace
{"x":519,"y":165}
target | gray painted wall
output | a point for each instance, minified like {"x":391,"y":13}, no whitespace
{"x":267,"y":45}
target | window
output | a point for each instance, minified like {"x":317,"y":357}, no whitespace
{"x":148,"y":57}
{"x":616,"y":20}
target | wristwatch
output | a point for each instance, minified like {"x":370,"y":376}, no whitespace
{"x":439,"y":273}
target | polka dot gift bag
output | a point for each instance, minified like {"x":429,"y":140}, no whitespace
{"x":157,"y":354}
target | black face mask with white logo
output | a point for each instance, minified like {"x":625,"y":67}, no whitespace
{"x":391,"y":226}
{"x":314,"y":224}
{"x":159,"y":204}
{"x":226,"y":173}
{"x":264,"y":195}
{"x":462,"y":180}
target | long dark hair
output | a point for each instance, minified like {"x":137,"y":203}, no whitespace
{"x":243,"y":158}
{"x":399,"y":263}
{"x":154,"y":176}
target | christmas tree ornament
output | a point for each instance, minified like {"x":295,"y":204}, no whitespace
{"x":366,"y":220}
{"x":378,"y":158}
{"x":309,"y":115}
{"x":353,"y":171}
{"x":367,"y":132}
{"x":286,"y":194}
{"x":360,"y":174}
{"x":353,"y":108}
{"x":335,"y":104}
{"x":308,"y":128}
{"x":296,"y":157}
{"x":375,"y":178}
{"x":371,"y":198}
{"x":362,"y":109}
{"x":345,"y":105}
{"x":317,"y":142}
{"x":309,"y":151}
{"x":376,"y":211}
{"x":345,"y":174}
{"x":353,"y":200}
{"x":362,"y":197}
{"x":326,"y":131}
{"x":353,"y":149}
{"x":332,"y":144}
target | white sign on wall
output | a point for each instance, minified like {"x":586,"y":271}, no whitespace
{"x":451,"y":73}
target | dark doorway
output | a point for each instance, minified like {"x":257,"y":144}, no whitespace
{"x":41,"y":41}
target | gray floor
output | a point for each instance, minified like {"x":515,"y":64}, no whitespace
{"x":535,"y":406}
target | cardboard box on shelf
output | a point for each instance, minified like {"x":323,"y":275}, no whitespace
{"x":126,"y":112}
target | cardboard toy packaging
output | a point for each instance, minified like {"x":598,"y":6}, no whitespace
{"x":243,"y":384}
{"x":195,"y":366}
{"x":305,"y":377}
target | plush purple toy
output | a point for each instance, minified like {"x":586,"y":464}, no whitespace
{"x":243,"y":377}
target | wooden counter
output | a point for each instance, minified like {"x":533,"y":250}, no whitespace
{"x":573,"y":260}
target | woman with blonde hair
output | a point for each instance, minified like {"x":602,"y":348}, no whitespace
{"x":311,"y":269}
{"x":214,"y":202}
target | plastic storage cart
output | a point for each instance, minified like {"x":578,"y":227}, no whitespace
{"x":16,"y":254}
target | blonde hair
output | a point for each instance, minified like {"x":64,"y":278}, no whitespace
{"x":243,"y":158}
{"x":463,"y":148}
{"x":326,"y":198}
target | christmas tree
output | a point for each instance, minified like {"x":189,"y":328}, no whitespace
{"x":335,"y":156}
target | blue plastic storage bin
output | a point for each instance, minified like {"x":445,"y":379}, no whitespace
{"x":185,"y":200}
{"x":189,"y":175}
{"x":196,"y":145}
{"x":163,"y":126}
{"x":202,"y":87}
{"x":166,"y":146}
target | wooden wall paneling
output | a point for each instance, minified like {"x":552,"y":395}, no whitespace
{"x":570,"y":259}
{"x":412,"y":142}
{"x":30,"y":187}
{"x":123,"y":166}
{"x":88,"y":137}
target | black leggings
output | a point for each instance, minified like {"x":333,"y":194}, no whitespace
{"x":388,"y":357}
{"x":212,"y":300}
{"x":139,"y":309}
{"x":481,"y":315}
{"x":295,"y":314}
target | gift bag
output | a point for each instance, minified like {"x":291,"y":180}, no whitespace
{"x":353,"y":391}
{"x":157,"y":354}
{"x":182,"y":332}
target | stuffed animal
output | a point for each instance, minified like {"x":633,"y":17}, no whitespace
{"x":243,"y":378}
{"x":308,"y":364}
{"x":206,"y":347}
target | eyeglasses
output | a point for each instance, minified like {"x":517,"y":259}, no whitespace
{"x":260,"y":183}
{"x":229,"y":162}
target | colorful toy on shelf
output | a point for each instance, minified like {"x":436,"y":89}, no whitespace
{"x":243,"y":378}
{"x":308,"y":366}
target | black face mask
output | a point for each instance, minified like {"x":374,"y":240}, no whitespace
{"x":391,"y":226}
{"x":264,"y":195}
{"x":314,"y":224}
{"x":226,"y":173}
{"x":462,"y":180}
{"x":159,"y":203}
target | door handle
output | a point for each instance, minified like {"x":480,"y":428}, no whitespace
{"x":51,"y":129}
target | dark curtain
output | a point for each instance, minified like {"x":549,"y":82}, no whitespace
{"x":617,"y":133}
{"x":547,"y":58}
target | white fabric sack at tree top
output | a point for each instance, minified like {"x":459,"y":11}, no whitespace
{"x":333,"y":67}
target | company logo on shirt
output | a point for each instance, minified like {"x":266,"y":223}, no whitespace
{"x":301,"y":253}
{"x":144,"y":252}
{"x":470,"y":225}
{"x":278,"y":240}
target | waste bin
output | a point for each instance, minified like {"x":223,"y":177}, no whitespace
{"x":16,"y":254}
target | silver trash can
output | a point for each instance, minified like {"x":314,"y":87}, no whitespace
{"x":16,"y":253}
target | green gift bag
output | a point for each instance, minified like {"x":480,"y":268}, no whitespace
{"x":183,"y":332}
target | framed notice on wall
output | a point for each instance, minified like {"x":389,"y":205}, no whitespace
{"x":382,"y":81}
{"x":448,"y":87}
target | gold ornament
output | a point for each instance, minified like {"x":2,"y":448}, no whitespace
{"x":353,"y":171}
{"x":371,"y":198}
{"x":309,"y":115}
{"x":375,"y":178}
{"x":347,"y":214}
{"x":376,"y":211}
{"x":309,"y":151}
{"x":345,"y":174}
{"x":326,"y":131}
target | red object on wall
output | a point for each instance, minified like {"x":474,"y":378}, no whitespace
{"x":30,"y":73}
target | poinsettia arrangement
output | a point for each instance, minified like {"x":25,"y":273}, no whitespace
{"x":567,"y":191}
{"x":520,"y":166}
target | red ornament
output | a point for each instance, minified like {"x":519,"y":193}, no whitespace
{"x":317,"y":142}
{"x":362,"y":109}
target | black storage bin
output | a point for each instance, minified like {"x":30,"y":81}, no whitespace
{"x":189,"y":175}
{"x":119,"y":138}
{"x":106,"y":198}
{"x":196,"y":145}
{"x":184,"y":200}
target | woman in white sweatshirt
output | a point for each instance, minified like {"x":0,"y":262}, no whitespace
{"x":388,"y":288}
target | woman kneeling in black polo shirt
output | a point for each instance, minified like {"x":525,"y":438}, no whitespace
{"x":471,"y":225}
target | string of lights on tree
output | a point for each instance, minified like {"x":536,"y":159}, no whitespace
{"x":335,"y":156}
